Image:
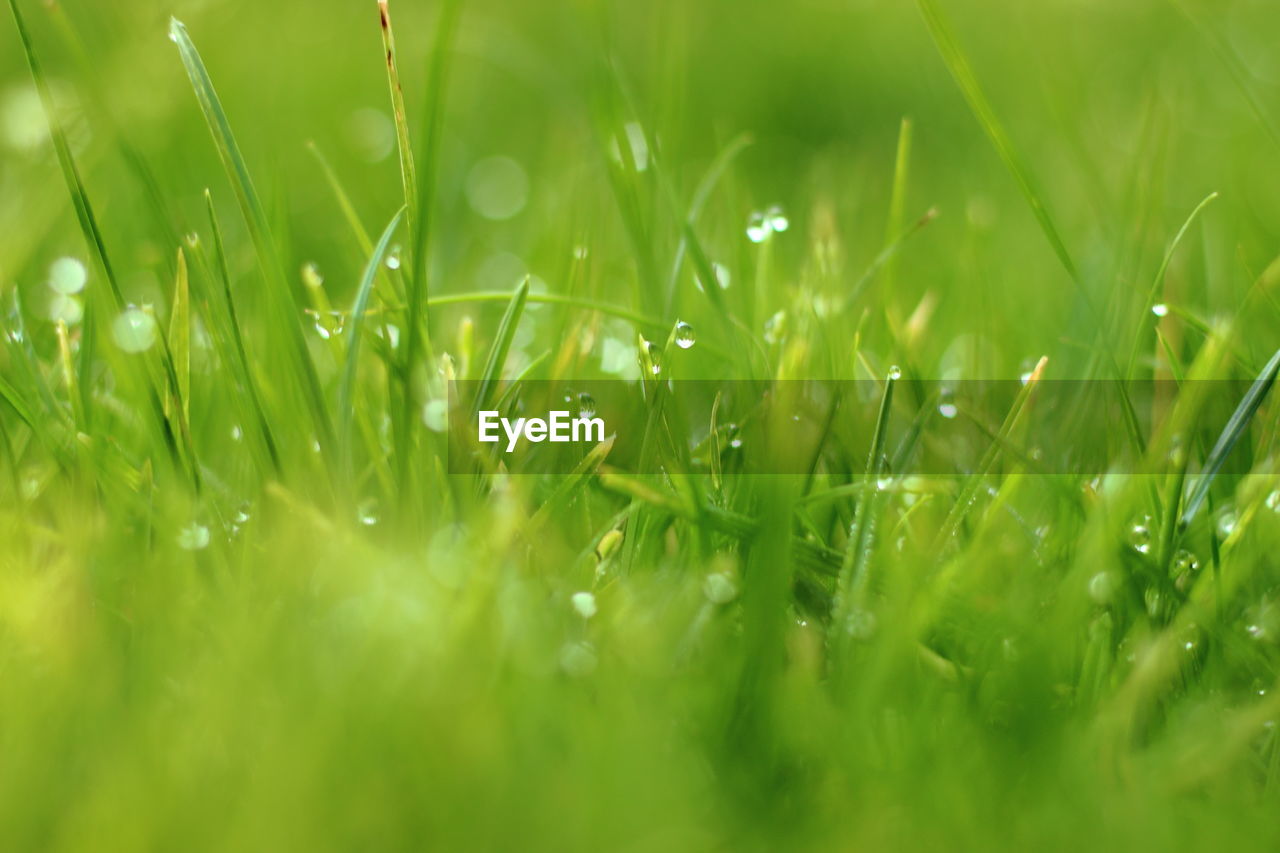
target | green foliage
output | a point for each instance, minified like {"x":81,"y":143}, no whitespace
{"x":254,"y":594}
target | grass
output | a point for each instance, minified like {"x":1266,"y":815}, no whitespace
{"x":250,"y":597}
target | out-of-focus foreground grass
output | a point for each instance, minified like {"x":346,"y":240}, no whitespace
{"x":242,"y":606}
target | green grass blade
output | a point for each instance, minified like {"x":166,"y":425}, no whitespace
{"x":280,"y":294}
{"x":1236,"y":426}
{"x":1153,"y":294}
{"x":492,"y":374}
{"x":574,"y":480}
{"x":404,"y":144}
{"x":851,"y":587}
{"x":363,"y":293}
{"x":84,"y":215}
{"x":958,"y":64}
{"x":897,"y":205}
{"x":180,"y":335}
{"x":237,"y":355}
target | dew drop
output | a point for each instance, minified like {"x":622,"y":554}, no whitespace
{"x":1154,"y":602}
{"x":134,"y":330}
{"x":685,"y":337}
{"x":723,"y":277}
{"x":1103,"y":587}
{"x":237,"y":433}
{"x":586,"y":405}
{"x":367,"y":512}
{"x":435,"y":414}
{"x":193,"y":537}
{"x":895,"y":373}
{"x":65,"y":309}
{"x":773,"y":327}
{"x":311,"y":275}
{"x":1185,"y":562}
{"x":1227,"y":520}
{"x":67,"y":276}
{"x":1273,"y":501}
{"x":777,"y":219}
{"x":1160,"y":309}
{"x":758,"y":228}
{"x":392,"y":259}
{"x":584,"y":603}
{"x":861,"y":625}
{"x":720,"y":588}
{"x":1140,"y":535}
{"x":328,"y":324}
{"x":948,"y":409}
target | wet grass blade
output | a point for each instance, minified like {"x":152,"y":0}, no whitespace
{"x":237,"y":355}
{"x":851,"y":587}
{"x":180,"y":336}
{"x":84,"y":215}
{"x":574,"y":480}
{"x":1157,"y":284}
{"x":897,"y":205}
{"x":958,"y":64}
{"x":1236,"y":426}
{"x":492,"y":374}
{"x":281,"y":295}
{"x":408,"y":171}
{"x":347,"y":387}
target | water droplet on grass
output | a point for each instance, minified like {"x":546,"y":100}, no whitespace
{"x":328,"y":324}
{"x":134,"y":330}
{"x":758,"y":229}
{"x":1227,"y":520}
{"x":777,"y":219}
{"x":311,"y":275}
{"x":392,"y":259}
{"x":435,"y":414}
{"x":1273,"y":501}
{"x":67,"y":276}
{"x":586,"y":405}
{"x":1154,"y":601}
{"x":723,"y":276}
{"x":1184,"y":562}
{"x":1160,"y":309}
{"x":367,"y":512}
{"x":861,"y":625}
{"x":193,"y":537}
{"x":895,"y":372}
{"x":584,"y":603}
{"x":1140,"y":535}
{"x":684,"y":335}
{"x":65,"y":309}
{"x":773,"y":327}
{"x":720,"y":588}
{"x":1103,"y":587}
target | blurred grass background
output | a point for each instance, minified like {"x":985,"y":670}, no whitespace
{"x":314,"y":681}
{"x":1125,"y":112}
